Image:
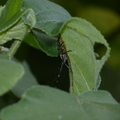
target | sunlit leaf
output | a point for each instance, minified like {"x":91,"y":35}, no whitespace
{"x":11,"y":13}
{"x":79,"y":37}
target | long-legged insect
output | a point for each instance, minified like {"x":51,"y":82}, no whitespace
{"x":63,"y":55}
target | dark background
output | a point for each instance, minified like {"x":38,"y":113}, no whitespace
{"x":105,"y":16}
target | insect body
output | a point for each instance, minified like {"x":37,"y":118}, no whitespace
{"x":63,"y":55}
{"x":62,"y":51}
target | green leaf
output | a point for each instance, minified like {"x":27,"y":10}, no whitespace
{"x":29,"y":18}
{"x":45,"y":103}
{"x":10,"y":73}
{"x":49,"y":19}
{"x":100,"y":105}
{"x":49,"y":16}
{"x":79,"y":38}
{"x":1,"y":8}
{"x":16,"y":32}
{"x":41,"y":41}
{"x":99,"y":96}
{"x":47,"y":44}
{"x":30,"y":39}
{"x":11,"y":13}
{"x":26,"y":82}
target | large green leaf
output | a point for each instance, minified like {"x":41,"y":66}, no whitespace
{"x":49,"y":19}
{"x":11,"y":13}
{"x":45,"y":103}
{"x":10,"y":73}
{"x":49,"y":16}
{"x":79,"y":37}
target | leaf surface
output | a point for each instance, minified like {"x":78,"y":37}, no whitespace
{"x":47,"y":103}
{"x":16,"y":32}
{"x":47,"y":44}
{"x":49,"y":16}
{"x":10,"y":14}
{"x":49,"y":19}
{"x":26,"y":82}
{"x":79,"y":38}
{"x":10,"y":73}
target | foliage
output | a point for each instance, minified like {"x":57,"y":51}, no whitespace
{"x":52,"y":27}
{"x":45,"y":103}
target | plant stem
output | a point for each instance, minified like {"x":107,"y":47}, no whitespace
{"x":14,"y":48}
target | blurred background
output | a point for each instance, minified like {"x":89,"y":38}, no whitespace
{"x":105,"y":16}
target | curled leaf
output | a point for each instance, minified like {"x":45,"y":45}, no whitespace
{"x":79,"y":37}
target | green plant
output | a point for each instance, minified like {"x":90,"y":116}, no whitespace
{"x":48,"y":21}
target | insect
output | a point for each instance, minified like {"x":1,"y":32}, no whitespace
{"x":63,"y":55}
